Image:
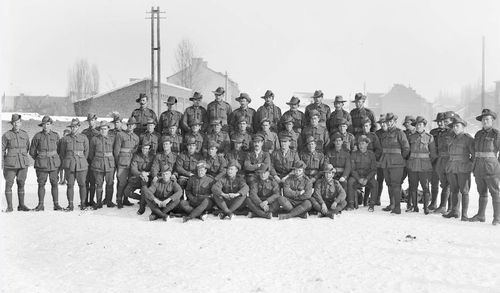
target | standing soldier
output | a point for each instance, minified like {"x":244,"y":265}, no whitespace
{"x":162,"y":196}
{"x":142,"y":114}
{"x":318,"y":105}
{"x":218,"y":135}
{"x":237,"y":153}
{"x":194,"y":112}
{"x":244,"y":111}
{"x":295,"y":115}
{"x":219,"y":110}
{"x":409,"y":130}
{"x":169,"y":117}
{"x":117,"y":122}
{"x":241,"y":131}
{"x":174,"y":137}
{"x":43,"y":150}
{"x":297,"y":190}
{"x":230,"y":191}
{"x":359,"y":112}
{"x":15,"y":146}
{"x":338,"y":113}
{"x":102,"y":164}
{"x":422,"y":154}
{"x":271,"y":140}
{"x":314,"y":160}
{"x":90,"y":132}
{"x":256,"y":159}
{"x":199,"y":194}
{"x":140,"y":175}
{"x":186,"y":162}
{"x":329,"y":198}
{"x":150,"y":136}
{"x":164,"y":160}
{"x":216,"y":162}
{"x":487,"y":166}
{"x":395,"y":149}
{"x":263,"y":198}
{"x":315,"y":130}
{"x":74,"y":151}
{"x":125,"y":145}
{"x":288,"y":131}
{"x":283,"y":160}
{"x":435,"y":177}
{"x":459,"y":167}
{"x":340,"y":159}
{"x":268,"y":111}
{"x":380,"y":171}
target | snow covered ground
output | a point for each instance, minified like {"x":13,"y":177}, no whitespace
{"x":111,"y":251}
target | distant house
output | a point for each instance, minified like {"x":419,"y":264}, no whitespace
{"x":491,"y":101}
{"x":122,"y":99}
{"x":205,"y":80}
{"x":43,"y":105}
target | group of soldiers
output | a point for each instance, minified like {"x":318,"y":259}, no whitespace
{"x":261,"y":163}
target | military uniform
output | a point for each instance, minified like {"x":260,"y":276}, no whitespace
{"x":246,"y":139}
{"x":374,"y":144}
{"x":332,"y":123}
{"x":90,"y":180}
{"x":363,"y":166}
{"x":357,"y":116}
{"x":15,"y":146}
{"x":435,"y":132}
{"x":140,"y":163}
{"x":282,"y":163}
{"x":296,"y":194}
{"x":294,"y":137}
{"x":199,"y":196}
{"x":198,"y":140}
{"x":271,"y":141}
{"x":443,"y":143}
{"x":192,"y":114}
{"x":103,"y":166}
{"x":263,"y":191}
{"x":271,"y":112}
{"x":162,"y":162}
{"x":149,"y":138}
{"x":252,"y":162}
{"x":168,"y":118}
{"x":314,"y":162}
{"x":125,"y":145}
{"x":324,"y":113}
{"x":380,"y":171}
{"x":142,"y":115}
{"x":348,"y":140}
{"x":238,"y":156}
{"x":328,"y":192}
{"x":186,"y":166}
{"x":247,"y":114}
{"x":219,"y":110}
{"x":341,"y":161}
{"x":161,"y":190}
{"x":319,"y":133}
{"x":222,"y":138}
{"x":227,"y":184}
{"x":176,"y":141}
{"x":299,"y":120}
{"x":216,"y":166}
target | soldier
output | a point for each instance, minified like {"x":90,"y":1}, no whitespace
{"x":142,"y":114}
{"x":359,"y":112}
{"x":338,"y":113}
{"x":242,"y":113}
{"x":164,"y":160}
{"x":435,"y":177}
{"x":140,"y":175}
{"x":395,"y":149}
{"x":169,"y":117}
{"x":288,"y":122}
{"x":422,"y":154}
{"x":15,"y":146}
{"x":271,"y":140}
{"x":90,"y":132}
{"x":194,"y":112}
{"x":459,"y":167}
{"x":315,"y":130}
{"x":150,"y":136}
{"x":162,"y":196}
{"x":374,"y":144}
{"x":297,"y":190}
{"x":263,"y":198}
{"x":174,"y":137}
{"x":340,"y":159}
{"x":329,"y":198}
{"x":74,"y":151}
{"x":102,"y":164}
{"x":444,"y":139}
{"x":125,"y":146}
{"x":409,"y":130}
{"x":199,"y":194}
{"x":314,"y":160}
{"x":237,"y":153}
{"x":195,"y":133}
{"x":62,"y":176}
{"x":215,"y":161}
{"x":241,"y":132}
{"x":256,"y":159}
{"x":43,"y":150}
{"x":295,"y":115}
{"x":380,"y":171}
{"x":269,"y":111}
{"x":487,"y":167}
{"x":318,"y":105}
{"x":219,"y":110}
{"x":187,"y":161}
{"x":117,"y":122}
{"x":348,"y":139}
{"x":219,"y":136}
{"x":363,"y":170}
{"x":283,"y":160}
{"x":230,"y":191}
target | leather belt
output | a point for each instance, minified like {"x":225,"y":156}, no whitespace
{"x":14,"y":151}
{"x":76,"y":153}
{"x":420,"y":155}
{"x":485,"y":155}
{"x":125,"y":150}
{"x":391,"y":151}
{"x":47,"y":153}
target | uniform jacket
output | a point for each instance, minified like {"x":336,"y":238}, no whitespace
{"x":15,"y":146}
{"x":272,"y":112}
{"x":461,"y":153}
{"x":45,"y":151}
{"x":357,"y":116}
{"x":90,"y":133}
{"x":142,"y":115}
{"x":177,"y":142}
{"x":340,"y":160}
{"x":324,"y":113}
{"x":314,"y":162}
{"x":222,"y":138}
{"x":101,"y":154}
{"x":186,"y":163}
{"x":74,"y":151}
{"x":319,"y":133}
{"x":239,"y":156}
{"x":219,"y":110}
{"x":163,"y":161}
{"x":299,"y":120}
{"x":422,"y":152}
{"x":487,"y":142}
{"x":151,"y":138}
{"x":348,"y":140}
{"x":328,"y":190}
{"x":163,"y":190}
{"x":247,"y":139}
{"x":141,"y":163}
{"x":271,"y":141}
{"x":199,"y":141}
{"x":395,"y":148}
{"x":294,"y":137}
{"x":252,"y":159}
{"x":199,"y":187}
{"x":168,"y":118}
{"x":293,"y":185}
{"x":216,"y":166}
{"x":125,"y":145}
{"x":331,"y":123}
{"x":194,"y":113}
{"x":248,"y":113}
{"x":262,"y":190}
{"x":282,"y":163}
{"x":363,"y":165}
{"x":374,"y":144}
{"x":230,"y":185}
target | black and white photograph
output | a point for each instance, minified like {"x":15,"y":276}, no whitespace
{"x":250,"y":146}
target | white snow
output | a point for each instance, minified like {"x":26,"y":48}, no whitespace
{"x":113,"y":250}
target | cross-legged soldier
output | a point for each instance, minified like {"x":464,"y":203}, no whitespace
{"x":230,"y":191}
{"x":297,"y":190}
{"x":264,"y":193}
{"x":199,"y":194}
{"x":329,"y":198}
{"x":162,"y":196}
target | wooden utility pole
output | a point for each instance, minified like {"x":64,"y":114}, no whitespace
{"x":483,"y":103}
{"x":155,"y":86}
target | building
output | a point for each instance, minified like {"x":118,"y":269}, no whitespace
{"x":43,"y":105}
{"x":122,"y":99}
{"x":491,"y":101}
{"x":205,"y":80}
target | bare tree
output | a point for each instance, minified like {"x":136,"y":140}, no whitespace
{"x":83,"y":80}
{"x":184,"y":63}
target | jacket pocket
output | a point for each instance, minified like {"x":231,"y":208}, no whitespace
{"x":492,"y":167}
{"x":10,"y":162}
{"x":42,"y":163}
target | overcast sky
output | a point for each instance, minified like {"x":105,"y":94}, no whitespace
{"x":286,"y":46}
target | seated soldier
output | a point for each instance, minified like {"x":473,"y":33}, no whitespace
{"x":186,"y":162}
{"x":150,"y":136}
{"x":283,"y":160}
{"x":163,"y":159}
{"x":288,"y":125}
{"x":329,"y":196}
{"x":314,"y":160}
{"x":297,"y":190}
{"x":237,"y":153}
{"x":175,"y":137}
{"x":347,"y":137}
{"x":140,"y":169}
{"x":216,"y":162}
{"x":199,"y":194}
{"x":242,"y":132}
{"x":364,"y":168}
{"x":230,"y":191}
{"x":340,"y":159}
{"x":163,"y":196}
{"x":271,"y":141}
{"x":255,"y":159}
{"x":263,"y":198}
{"x":195,"y":133}
{"x":217,"y":135}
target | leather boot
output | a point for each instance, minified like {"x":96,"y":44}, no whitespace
{"x":41,"y":197}
{"x":70,"y":207}
{"x":142,"y":206}
{"x":426,"y":202}
{"x":57,"y":207}
{"x":479,"y":217}
{"x":98,"y":204}
{"x":8,"y":197}
{"x":496,"y":210}
{"x":21,"y":206}
{"x":465,"y":207}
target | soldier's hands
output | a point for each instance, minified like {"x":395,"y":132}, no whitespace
{"x":158,"y":202}
{"x":342,"y":179}
{"x":277,"y":178}
{"x":334,"y":204}
{"x":324,"y":208}
{"x":173,"y":178}
{"x":265,"y":206}
{"x":302,"y":192}
{"x":155,"y":179}
{"x":167,"y":201}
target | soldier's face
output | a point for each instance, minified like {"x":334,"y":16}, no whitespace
{"x":458,"y":128}
{"x":196,"y":128}
{"x":257,"y":145}
{"x":166,"y":175}
{"x":343,"y":128}
{"x":172,"y":129}
{"x":16,"y":125}
{"x":201,"y":171}
{"x":118,"y":124}
{"x":269,"y":100}
{"x":408,"y":126}
{"x":447,"y":121}
{"x":384,"y":126}
{"x":145,"y":150}
{"x":231,"y":171}
{"x":104,"y":131}
{"x":218,"y":98}
{"x":150,"y":128}
{"x":363,"y":146}
{"x":212,"y":151}
{"x":218,"y":127}
{"x":92,"y":122}
{"x":167,"y":146}
{"x":298,"y":172}
{"x":243,"y":125}
{"x":143,"y":101}
{"x":243,"y":103}
{"x":191,"y":148}
{"x":317,"y":99}
{"x":285,"y":144}
{"x":73,"y":129}
{"x":329,"y":175}
{"x":390,"y":123}
{"x":130,"y":127}
{"x":266,"y":126}
{"x":311,"y":146}
{"x":264,"y":175}
{"x":420,"y":127}
{"x":338,"y":106}
{"x":294,"y":107}
{"x":487,"y":121}
{"x":196,"y":103}
{"x":441,"y":124}
{"x":366,"y":127}
{"x":338,"y":143}
{"x":315,"y":120}
{"x":237,"y":146}
{"x":47,"y":126}
{"x":359,"y":103}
